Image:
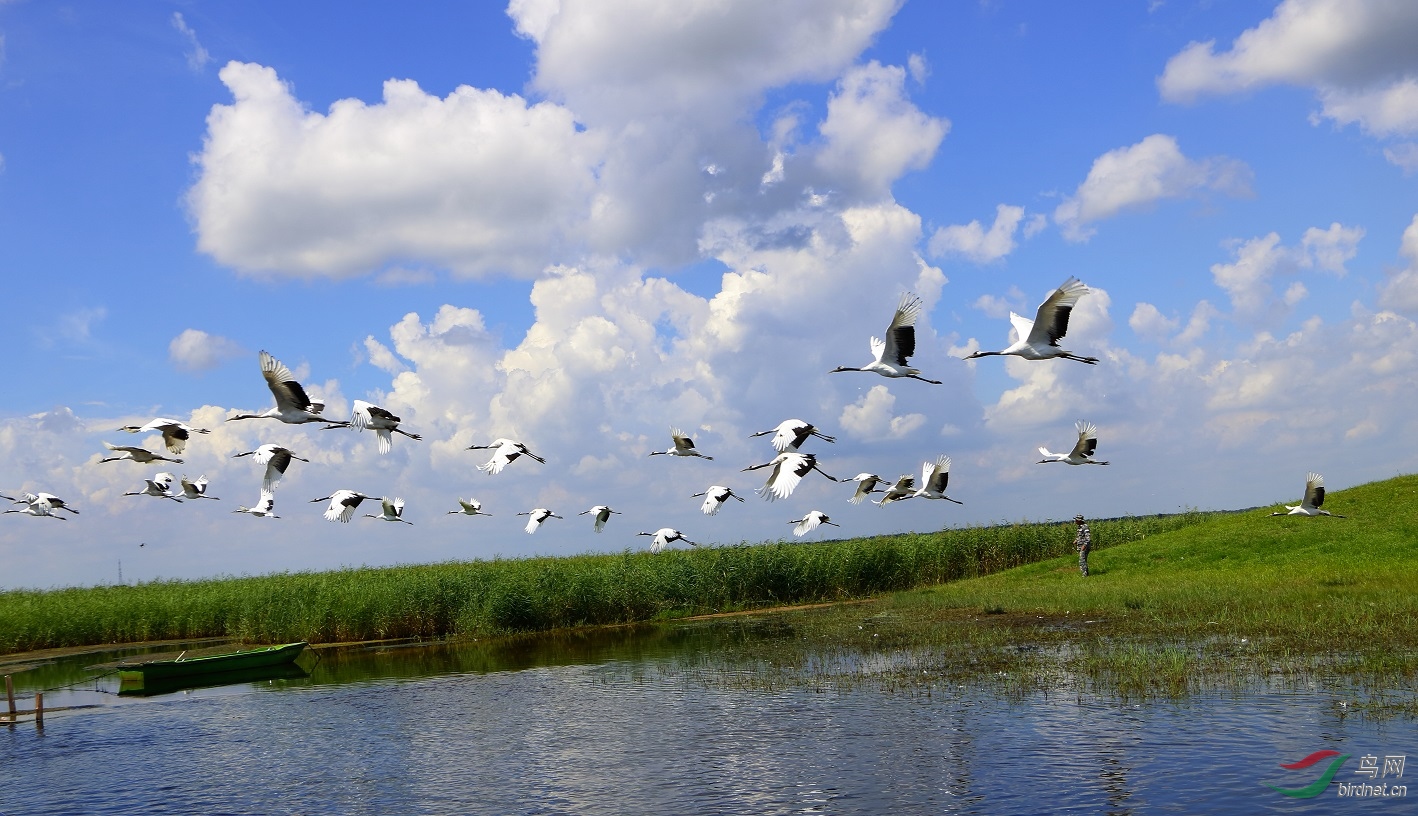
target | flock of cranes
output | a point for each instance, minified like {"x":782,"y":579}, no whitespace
{"x":1038,"y":340}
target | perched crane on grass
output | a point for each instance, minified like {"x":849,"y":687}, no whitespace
{"x":714,"y":498}
{"x":390,"y":510}
{"x":265,"y":508}
{"x":1039,"y":338}
{"x":195,"y":489}
{"x":662,"y":537}
{"x":471,"y":507}
{"x":160,"y":486}
{"x":891,"y":356}
{"x":504,"y":452}
{"x":791,"y":434}
{"x":142,"y":456}
{"x":538,"y":516}
{"x":810,"y":522}
{"x":601,"y":514}
{"x":342,"y":505}
{"x":934,"y":477}
{"x":293,"y":405}
{"x":788,"y":469}
{"x":1314,"y":497}
{"x":276,"y":459}
{"x":174,"y":434}
{"x":384,"y":424}
{"x":684,"y":446}
{"x":1082,"y":453}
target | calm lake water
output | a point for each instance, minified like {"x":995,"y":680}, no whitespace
{"x":641,"y":721}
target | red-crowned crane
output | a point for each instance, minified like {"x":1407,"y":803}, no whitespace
{"x":1082,"y":453}
{"x":265,"y":508}
{"x":471,"y":507}
{"x":866,"y":485}
{"x":276,"y":459}
{"x":384,"y":423}
{"x":684,"y":446}
{"x":390,"y":510}
{"x":810,"y":522}
{"x":342,"y":505}
{"x":293,"y":405}
{"x":601,"y":514}
{"x":791,"y":434}
{"x":538,"y":516}
{"x":1039,"y":338}
{"x":788,"y":469}
{"x":934,"y":477}
{"x":1314,"y":497}
{"x":142,"y":456}
{"x":893,"y":353}
{"x":662,"y":537}
{"x":195,"y":489}
{"x":714,"y":498}
{"x":174,"y":434}
{"x":504,"y":452}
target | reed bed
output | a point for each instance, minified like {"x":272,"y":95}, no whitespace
{"x":480,"y":598}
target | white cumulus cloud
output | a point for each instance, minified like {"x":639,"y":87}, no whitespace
{"x":975,"y":242}
{"x":1139,"y":175}
{"x":196,"y":350}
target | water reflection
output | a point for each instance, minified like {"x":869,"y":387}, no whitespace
{"x":635,"y":720}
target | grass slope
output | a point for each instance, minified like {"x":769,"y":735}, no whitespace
{"x":532,"y":594}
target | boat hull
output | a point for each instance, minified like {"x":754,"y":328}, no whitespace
{"x":140,"y":676}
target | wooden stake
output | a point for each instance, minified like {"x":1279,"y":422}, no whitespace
{"x":39,"y":709}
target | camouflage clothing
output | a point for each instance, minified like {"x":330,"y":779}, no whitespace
{"x":1083,"y":542}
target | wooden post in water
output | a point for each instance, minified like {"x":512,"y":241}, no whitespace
{"x":10,"y":696}
{"x":39,"y":709}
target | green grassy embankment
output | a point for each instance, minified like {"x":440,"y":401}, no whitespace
{"x":1235,"y":599}
{"x":519,"y":595}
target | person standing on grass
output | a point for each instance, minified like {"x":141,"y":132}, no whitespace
{"x":1082,"y":542}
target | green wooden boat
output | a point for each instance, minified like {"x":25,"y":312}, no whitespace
{"x":137,"y":676}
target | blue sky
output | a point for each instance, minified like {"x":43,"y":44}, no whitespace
{"x":580,"y":224}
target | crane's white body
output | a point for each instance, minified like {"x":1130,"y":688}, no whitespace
{"x":504,"y":452}
{"x":142,"y":456}
{"x":265,"y":508}
{"x":789,"y":468}
{"x":811,"y":522}
{"x":342,"y":505}
{"x":891,"y":357}
{"x":684,"y":446}
{"x":47,"y":502}
{"x":1314,"y":497}
{"x":904,"y":488}
{"x":276,"y":459}
{"x":601,"y":514}
{"x":293,"y":405}
{"x":1039,"y":338}
{"x":384,"y":423}
{"x":390,"y":510}
{"x":790,"y":434}
{"x":934,"y":477}
{"x":1083,"y":449}
{"x":174,"y":434}
{"x":160,"y":486}
{"x":662,"y":538}
{"x":866,"y":485}
{"x":471,"y":507}
{"x":195,"y":489}
{"x":714,"y":498}
{"x":538,"y":516}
